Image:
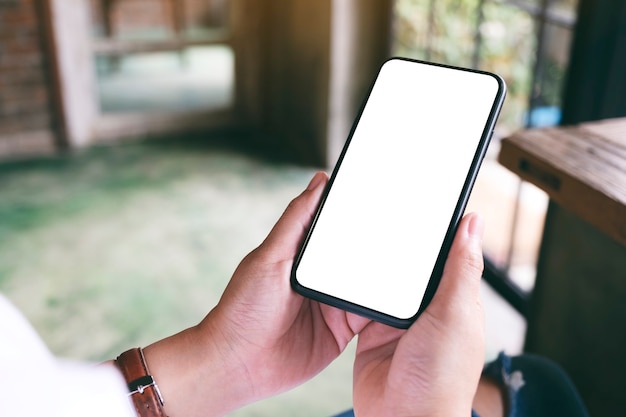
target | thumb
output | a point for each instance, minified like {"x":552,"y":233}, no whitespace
{"x":286,"y":235}
{"x":460,"y":282}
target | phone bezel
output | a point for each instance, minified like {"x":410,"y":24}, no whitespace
{"x":462,"y":201}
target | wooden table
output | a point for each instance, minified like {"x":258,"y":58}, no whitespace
{"x":578,"y":306}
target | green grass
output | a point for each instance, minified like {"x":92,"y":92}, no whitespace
{"x":119,"y":246}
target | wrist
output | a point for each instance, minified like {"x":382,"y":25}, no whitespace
{"x":197,"y":374}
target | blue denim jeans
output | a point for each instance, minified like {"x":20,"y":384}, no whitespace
{"x":535,"y":386}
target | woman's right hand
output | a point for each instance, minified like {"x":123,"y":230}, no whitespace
{"x":433,"y":368}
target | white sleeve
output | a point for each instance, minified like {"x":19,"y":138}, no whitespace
{"x":34,"y":383}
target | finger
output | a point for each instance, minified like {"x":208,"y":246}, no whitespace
{"x":456,"y":316}
{"x":287,"y":233}
{"x":376,"y":334}
{"x":356,"y":322}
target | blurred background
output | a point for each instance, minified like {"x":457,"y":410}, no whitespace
{"x":147,"y":145}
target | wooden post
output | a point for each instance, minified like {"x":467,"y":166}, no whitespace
{"x":361,"y":42}
{"x":303,"y":67}
{"x":70,"y":29}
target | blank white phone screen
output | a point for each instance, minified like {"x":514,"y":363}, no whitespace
{"x":381,"y":227}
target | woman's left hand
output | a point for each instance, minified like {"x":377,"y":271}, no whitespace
{"x":261,"y":338}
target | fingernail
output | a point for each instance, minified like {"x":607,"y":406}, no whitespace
{"x":476,"y":226}
{"x":316,"y":181}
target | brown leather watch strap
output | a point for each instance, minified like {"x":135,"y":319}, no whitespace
{"x":141,"y":385}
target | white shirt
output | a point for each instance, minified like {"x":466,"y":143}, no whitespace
{"x":35,"y":383}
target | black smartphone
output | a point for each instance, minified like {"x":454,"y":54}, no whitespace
{"x":381,"y":234}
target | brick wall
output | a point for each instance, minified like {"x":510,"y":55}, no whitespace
{"x":25,"y":108}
